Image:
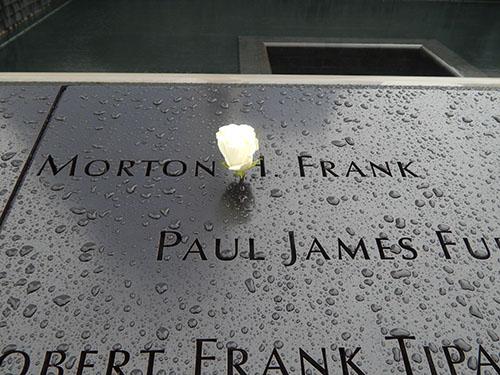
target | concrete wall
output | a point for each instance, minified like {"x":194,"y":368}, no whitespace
{"x":17,"y":14}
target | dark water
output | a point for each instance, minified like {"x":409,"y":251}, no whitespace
{"x":355,"y":61}
{"x":201,"y":36}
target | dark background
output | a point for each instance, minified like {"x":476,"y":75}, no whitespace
{"x":202,"y":36}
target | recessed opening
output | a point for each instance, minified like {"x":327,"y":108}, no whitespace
{"x":356,"y":60}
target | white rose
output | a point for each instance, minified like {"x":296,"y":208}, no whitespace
{"x":238,"y":144}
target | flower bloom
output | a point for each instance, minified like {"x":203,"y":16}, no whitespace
{"x":238,"y":144}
